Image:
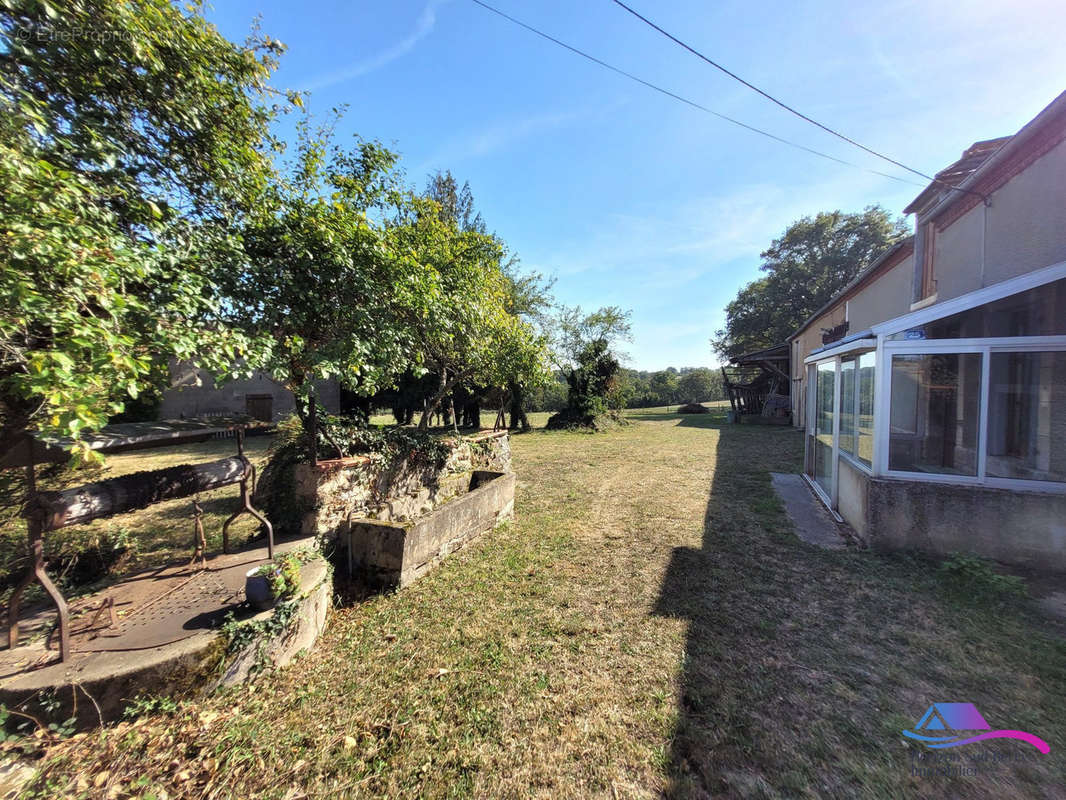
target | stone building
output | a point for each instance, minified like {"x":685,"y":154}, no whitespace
{"x":193,"y":393}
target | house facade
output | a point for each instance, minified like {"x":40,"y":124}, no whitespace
{"x":193,"y":393}
{"x":933,"y":388}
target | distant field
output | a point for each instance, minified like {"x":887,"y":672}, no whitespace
{"x":538,"y":419}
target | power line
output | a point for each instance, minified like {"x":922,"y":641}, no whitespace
{"x":789,"y":108}
{"x":684,"y":100}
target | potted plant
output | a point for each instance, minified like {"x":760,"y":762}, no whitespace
{"x":276,"y":580}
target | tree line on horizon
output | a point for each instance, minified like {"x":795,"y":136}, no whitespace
{"x":642,"y":388}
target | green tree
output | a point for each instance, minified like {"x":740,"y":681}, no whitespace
{"x":126,"y":164}
{"x":318,"y":276}
{"x":810,"y":262}
{"x":699,"y":385}
{"x":574,"y":331}
{"x":465,"y":334}
{"x":529,"y":297}
{"x":664,"y":386}
{"x":584,"y":349}
{"x":455,"y":203}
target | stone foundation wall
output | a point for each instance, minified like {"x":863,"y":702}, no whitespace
{"x":326,"y":496}
{"x":1015,"y":527}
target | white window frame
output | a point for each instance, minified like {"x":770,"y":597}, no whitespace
{"x":830,"y":498}
{"x":854,"y":459}
{"x":985,"y":347}
{"x":884,"y":348}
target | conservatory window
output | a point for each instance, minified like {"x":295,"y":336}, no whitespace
{"x":822,"y":455}
{"x":935,"y":413}
{"x":847,"y":405}
{"x":1027,"y":416}
{"x":864,"y":418}
{"x":1037,"y":312}
{"x":857,"y":407}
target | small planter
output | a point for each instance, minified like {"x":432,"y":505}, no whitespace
{"x":257,"y":590}
{"x":393,"y":554}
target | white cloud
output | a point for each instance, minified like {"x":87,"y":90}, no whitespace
{"x":499,"y":135}
{"x":659,"y":263}
{"x":676,"y":244}
{"x":423,"y":27}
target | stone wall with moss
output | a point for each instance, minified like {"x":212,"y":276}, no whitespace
{"x":319,"y":500}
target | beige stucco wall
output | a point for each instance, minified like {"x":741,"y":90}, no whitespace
{"x":1024,"y":229}
{"x":957,"y":256}
{"x":886,"y":297}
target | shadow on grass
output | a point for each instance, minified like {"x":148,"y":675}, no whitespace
{"x":803,"y":666}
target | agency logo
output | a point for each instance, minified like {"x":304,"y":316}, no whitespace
{"x":946,"y":720}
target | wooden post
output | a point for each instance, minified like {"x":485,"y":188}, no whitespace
{"x":729,"y":390}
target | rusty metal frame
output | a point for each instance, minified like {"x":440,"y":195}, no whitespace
{"x":37,"y":572}
{"x":246,"y":501}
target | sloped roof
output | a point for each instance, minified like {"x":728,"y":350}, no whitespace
{"x":855,"y":282}
{"x":972,"y":157}
{"x":776,"y":353}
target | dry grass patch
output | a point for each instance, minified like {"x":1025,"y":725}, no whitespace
{"x":647,"y":625}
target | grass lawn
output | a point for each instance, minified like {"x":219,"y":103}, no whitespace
{"x":648,"y":624}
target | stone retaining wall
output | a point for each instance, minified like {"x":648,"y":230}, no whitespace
{"x":327,"y":496}
{"x":392,"y":554}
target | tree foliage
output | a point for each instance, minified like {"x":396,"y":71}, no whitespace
{"x":467,"y":335}
{"x":584,"y":350}
{"x":671,"y":386}
{"x":575,"y":331}
{"x":317,"y":275}
{"x":126,"y":164}
{"x":810,"y":262}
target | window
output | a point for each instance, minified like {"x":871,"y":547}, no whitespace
{"x":864,"y":422}
{"x":823,"y":425}
{"x":857,"y":407}
{"x":1027,"y":416}
{"x":847,"y":406}
{"x":928,"y":286}
{"x":1036,"y":312}
{"x":935,"y":413}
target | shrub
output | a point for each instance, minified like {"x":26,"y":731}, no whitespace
{"x":974,"y":575}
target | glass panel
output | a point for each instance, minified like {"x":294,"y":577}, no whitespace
{"x":1027,"y":416}
{"x":823,"y":426}
{"x":865,"y":422}
{"x":1036,"y":312}
{"x":847,"y":406}
{"x":936,"y":402}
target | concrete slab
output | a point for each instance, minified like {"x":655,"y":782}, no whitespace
{"x":811,"y":519}
{"x":169,"y":644}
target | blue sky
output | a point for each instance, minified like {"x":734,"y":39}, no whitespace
{"x":630,"y":198}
